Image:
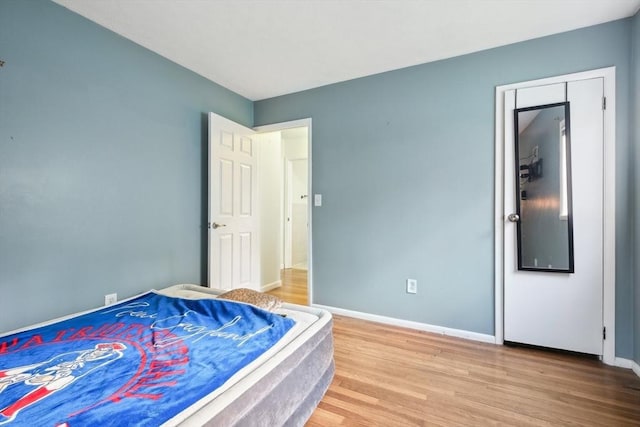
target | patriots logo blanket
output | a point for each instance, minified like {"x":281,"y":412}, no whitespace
{"x":140,"y":362}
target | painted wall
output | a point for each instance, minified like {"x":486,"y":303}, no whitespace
{"x":270,"y":192}
{"x":404,"y":161}
{"x":299,"y":212}
{"x":635,"y":131}
{"x":102,"y":164}
{"x":295,"y":143}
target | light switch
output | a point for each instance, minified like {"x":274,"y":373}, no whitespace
{"x":317,"y":200}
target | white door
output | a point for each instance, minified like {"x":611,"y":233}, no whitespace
{"x":234,"y":257}
{"x":555,"y":308}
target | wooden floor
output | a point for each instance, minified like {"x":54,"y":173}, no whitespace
{"x":390,"y":376}
{"x":294,"y":286}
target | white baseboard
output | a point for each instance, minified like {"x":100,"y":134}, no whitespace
{"x":629,"y":364}
{"x":271,"y":286}
{"x":459,"y":333}
{"x":623,"y":363}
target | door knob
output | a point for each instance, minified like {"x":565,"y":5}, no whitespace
{"x":513,"y":217}
{"x":215,"y":225}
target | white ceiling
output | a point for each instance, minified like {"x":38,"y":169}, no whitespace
{"x":266,"y":48}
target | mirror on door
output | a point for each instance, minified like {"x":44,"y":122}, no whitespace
{"x":543,"y":199}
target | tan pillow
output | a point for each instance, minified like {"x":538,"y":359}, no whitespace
{"x":249,"y":296}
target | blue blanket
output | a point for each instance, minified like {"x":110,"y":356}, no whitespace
{"x":139,"y":362}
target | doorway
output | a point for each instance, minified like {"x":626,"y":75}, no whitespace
{"x":295,"y":218}
{"x":537,"y":306}
{"x":285,"y":186}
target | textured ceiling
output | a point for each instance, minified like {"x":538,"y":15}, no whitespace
{"x":266,"y":48}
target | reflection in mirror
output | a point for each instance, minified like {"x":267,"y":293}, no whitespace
{"x":543,"y":199}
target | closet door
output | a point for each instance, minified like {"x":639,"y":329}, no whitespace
{"x":553,"y":229}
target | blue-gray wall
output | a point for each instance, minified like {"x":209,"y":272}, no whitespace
{"x":405,"y":163}
{"x":635,"y":131}
{"x":102,"y":162}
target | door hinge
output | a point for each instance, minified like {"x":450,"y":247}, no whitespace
{"x":604,"y":332}
{"x":604,"y":102}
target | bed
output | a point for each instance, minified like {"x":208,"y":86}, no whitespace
{"x":275,"y":373}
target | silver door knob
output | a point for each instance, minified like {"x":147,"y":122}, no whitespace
{"x":215,"y":225}
{"x":513,"y":217}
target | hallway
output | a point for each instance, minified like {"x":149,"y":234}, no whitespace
{"x":294,"y":286}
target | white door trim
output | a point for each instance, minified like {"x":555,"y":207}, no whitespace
{"x":298,"y":124}
{"x":608,"y":300}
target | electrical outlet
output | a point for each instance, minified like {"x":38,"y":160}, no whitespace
{"x":412,"y":286}
{"x":110,"y":299}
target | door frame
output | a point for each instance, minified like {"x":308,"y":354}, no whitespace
{"x":298,"y":124}
{"x":609,"y":257}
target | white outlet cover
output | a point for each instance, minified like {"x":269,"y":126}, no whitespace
{"x":110,"y":299}
{"x":412,"y":286}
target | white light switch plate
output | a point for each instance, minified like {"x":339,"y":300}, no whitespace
{"x":317,"y":200}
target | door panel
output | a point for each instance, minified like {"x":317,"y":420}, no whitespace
{"x":246,"y":190}
{"x":561,"y":310}
{"x":234,"y":259}
{"x":225,"y":188}
{"x":540,"y":95}
{"x":246,"y":145}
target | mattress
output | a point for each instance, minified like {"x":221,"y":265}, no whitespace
{"x":279,"y":386}
{"x":282,"y":387}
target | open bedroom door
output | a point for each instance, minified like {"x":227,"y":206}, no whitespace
{"x":233,"y":222}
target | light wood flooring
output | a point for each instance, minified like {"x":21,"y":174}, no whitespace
{"x":294,"y":286}
{"x":391,"y":376}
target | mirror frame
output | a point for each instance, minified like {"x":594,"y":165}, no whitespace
{"x":567,"y":126}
